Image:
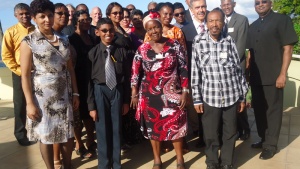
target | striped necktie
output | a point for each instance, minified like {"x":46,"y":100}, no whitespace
{"x":110,"y":73}
{"x":202,"y":28}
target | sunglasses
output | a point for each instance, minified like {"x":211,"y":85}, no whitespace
{"x":85,"y":20}
{"x":260,"y":2}
{"x":137,"y":19}
{"x":116,"y":13}
{"x":62,"y":13}
{"x":130,"y":9}
{"x":107,"y":30}
{"x":177,"y":14}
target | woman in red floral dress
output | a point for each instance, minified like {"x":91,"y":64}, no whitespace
{"x":160,"y":89}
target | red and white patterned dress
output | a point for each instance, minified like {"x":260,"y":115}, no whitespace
{"x":161,"y":77}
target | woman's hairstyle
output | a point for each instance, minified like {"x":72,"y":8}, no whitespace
{"x":110,"y":7}
{"x":40,"y":6}
{"x":164,"y":4}
{"x":59,"y":5}
{"x":77,"y":14}
{"x":127,"y":10}
{"x":103,"y":21}
{"x":136,"y":12}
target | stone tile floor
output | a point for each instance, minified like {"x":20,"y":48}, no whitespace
{"x":14,"y":156}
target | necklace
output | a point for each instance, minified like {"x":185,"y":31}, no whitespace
{"x":52,"y":41}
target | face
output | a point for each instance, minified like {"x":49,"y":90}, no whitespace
{"x":116,"y":14}
{"x":151,"y":7}
{"x":215,"y":24}
{"x":137,"y":21}
{"x":126,"y":20}
{"x":61,"y":16}
{"x":23,"y":16}
{"x":179,"y":15}
{"x":96,"y":15}
{"x":106,"y":32}
{"x":154,"y":30}
{"x":71,"y":12}
{"x":166,"y":15}
{"x":84,"y":22}
{"x":227,"y":7}
{"x":44,"y":20}
{"x":199,"y":10}
{"x":130,"y":8}
{"x":262,"y":7}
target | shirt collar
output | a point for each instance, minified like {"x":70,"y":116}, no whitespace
{"x":229,"y":17}
{"x":40,"y":36}
{"x":268,"y":15}
{"x":104,"y":47}
{"x":31,"y":28}
{"x":206,"y":36}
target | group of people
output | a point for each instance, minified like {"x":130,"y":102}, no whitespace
{"x":132,"y":75}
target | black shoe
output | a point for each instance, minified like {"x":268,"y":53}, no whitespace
{"x":25,"y":142}
{"x":266,"y":154}
{"x":257,"y":144}
{"x":245,"y":136}
{"x":212,"y":166}
{"x":226,"y":167}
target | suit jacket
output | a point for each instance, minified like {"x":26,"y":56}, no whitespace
{"x":188,"y":17}
{"x":240,"y":25}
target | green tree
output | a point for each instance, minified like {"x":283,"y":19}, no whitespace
{"x":291,"y":8}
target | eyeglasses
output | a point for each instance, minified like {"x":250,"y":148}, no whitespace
{"x":62,"y":13}
{"x":260,"y":2}
{"x":177,"y":14}
{"x":87,"y":20}
{"x":137,"y":19}
{"x":107,"y":30}
{"x":130,"y":9}
{"x":116,"y":13}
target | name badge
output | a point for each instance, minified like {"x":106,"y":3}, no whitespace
{"x":223,"y":55}
{"x":230,"y":29}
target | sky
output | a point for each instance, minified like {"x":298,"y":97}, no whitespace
{"x":244,"y":7}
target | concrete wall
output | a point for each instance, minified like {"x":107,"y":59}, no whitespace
{"x":6,"y":91}
{"x":292,"y":89}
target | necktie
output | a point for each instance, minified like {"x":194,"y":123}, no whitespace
{"x":202,"y":29}
{"x":225,"y":29}
{"x":110,"y":74}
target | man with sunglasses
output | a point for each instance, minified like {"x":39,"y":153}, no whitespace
{"x":270,"y":42}
{"x":179,"y":13}
{"x":11,"y":57}
{"x":236,"y":26}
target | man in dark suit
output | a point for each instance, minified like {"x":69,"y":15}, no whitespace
{"x":237,"y":27}
{"x":193,"y":28}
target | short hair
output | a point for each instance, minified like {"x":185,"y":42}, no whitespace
{"x":178,"y":5}
{"x":103,"y":21}
{"x":82,"y":5}
{"x":59,"y":5}
{"x":21,"y":6}
{"x":217,"y":9}
{"x":130,"y":5}
{"x":150,"y":3}
{"x":136,"y":12}
{"x":111,"y":6}
{"x":40,"y":6}
{"x":164,"y":4}
{"x":231,"y":0}
{"x":77,"y":14}
{"x":192,"y":1}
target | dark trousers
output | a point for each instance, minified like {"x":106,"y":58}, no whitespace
{"x":19,"y":108}
{"x":108,"y":128}
{"x":268,"y":107}
{"x":242,"y":122}
{"x":211,"y":120}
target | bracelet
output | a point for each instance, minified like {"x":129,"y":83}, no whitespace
{"x":75,"y":94}
{"x":135,"y":96}
{"x":185,"y":90}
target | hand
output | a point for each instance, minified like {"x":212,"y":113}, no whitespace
{"x":75,"y":102}
{"x":33,"y":112}
{"x":183,"y":100}
{"x":134,"y":102}
{"x":241,"y":107}
{"x":280,"y":82}
{"x":94,"y":115}
{"x":125,"y":109}
{"x":199,"y":108}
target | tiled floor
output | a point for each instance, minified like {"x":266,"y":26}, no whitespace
{"x":14,"y":156}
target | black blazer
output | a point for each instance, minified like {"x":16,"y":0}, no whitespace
{"x":188,"y":17}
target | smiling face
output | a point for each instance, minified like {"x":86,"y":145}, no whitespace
{"x":179,"y":15}
{"x":84,"y":22}
{"x":215,"y":23}
{"x":166,"y":15}
{"x":116,"y":14}
{"x":199,"y":10}
{"x":106,"y":32}
{"x":44,"y":20}
{"x":23,"y":16}
{"x":137,"y":21}
{"x":227,"y":7}
{"x":154,"y":30}
{"x":263,"y":7}
{"x":126,"y":19}
{"x":96,"y":14}
{"x":61,"y":17}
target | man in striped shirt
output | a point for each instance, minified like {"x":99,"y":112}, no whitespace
{"x":219,"y":89}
